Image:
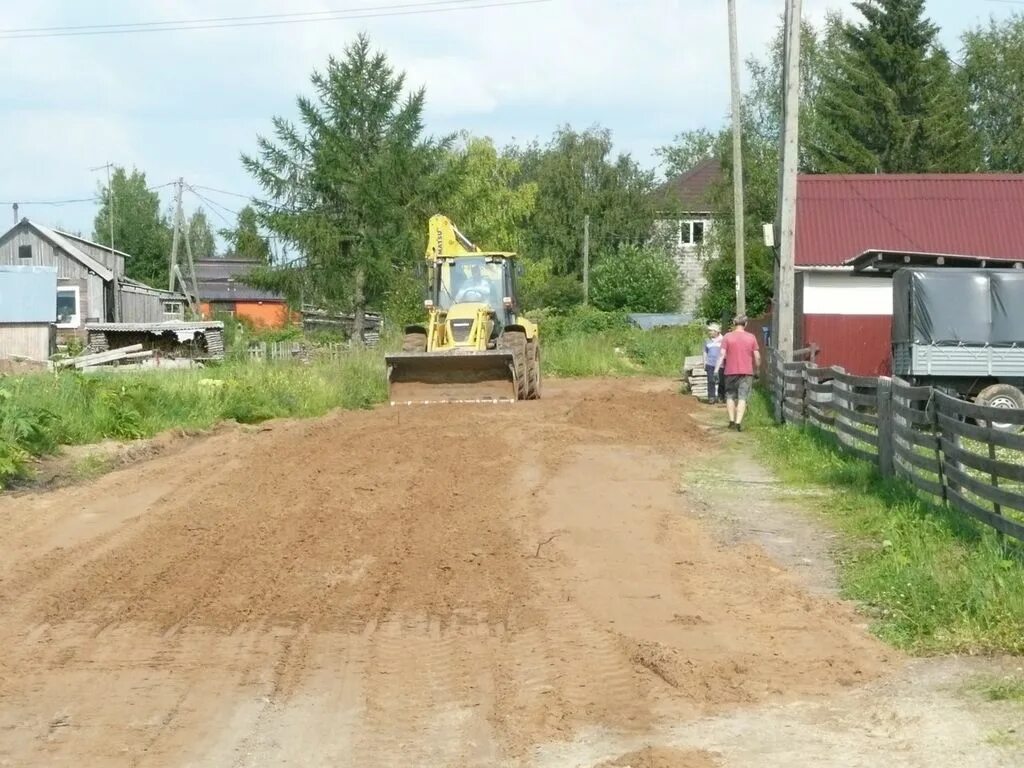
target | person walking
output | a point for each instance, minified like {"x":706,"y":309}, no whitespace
{"x":740,"y":357}
{"x":712,"y":350}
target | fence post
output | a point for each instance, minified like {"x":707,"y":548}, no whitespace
{"x":932,"y":410}
{"x":886,"y":446}
{"x":779,"y":374}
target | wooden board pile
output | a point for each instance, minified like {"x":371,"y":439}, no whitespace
{"x":133,"y":354}
{"x":696,"y":377}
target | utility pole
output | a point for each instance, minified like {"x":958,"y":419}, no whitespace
{"x":181,"y":231}
{"x":177,"y":233}
{"x":586,"y":259}
{"x":113,"y":256}
{"x":15,"y":209}
{"x":737,"y":162}
{"x":785,"y":269}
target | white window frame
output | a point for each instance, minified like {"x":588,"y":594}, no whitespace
{"x":76,"y":319}
{"x":179,"y":308}
{"x":686,"y":225}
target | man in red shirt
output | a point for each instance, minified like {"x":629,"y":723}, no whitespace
{"x":741,"y":358}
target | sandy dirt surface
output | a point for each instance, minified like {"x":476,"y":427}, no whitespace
{"x":532,"y":586}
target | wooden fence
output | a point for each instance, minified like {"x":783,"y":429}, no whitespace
{"x":945,"y":447}
{"x":262,"y":351}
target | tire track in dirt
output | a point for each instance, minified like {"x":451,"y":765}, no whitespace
{"x":450,"y":586}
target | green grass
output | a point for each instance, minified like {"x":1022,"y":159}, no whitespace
{"x":1010,"y":688}
{"x":933,"y":580}
{"x":620,"y":352}
{"x":39,"y":413}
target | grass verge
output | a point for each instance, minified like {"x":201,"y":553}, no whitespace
{"x":1010,"y":688}
{"x":933,"y":580}
{"x":40,"y":412}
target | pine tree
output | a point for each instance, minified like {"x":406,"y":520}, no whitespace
{"x":892,"y":103}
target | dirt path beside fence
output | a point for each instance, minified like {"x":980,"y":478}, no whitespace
{"x":553,"y":584}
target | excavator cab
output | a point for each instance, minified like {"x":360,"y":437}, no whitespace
{"x":474,"y":346}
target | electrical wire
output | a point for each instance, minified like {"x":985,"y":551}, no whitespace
{"x":370,"y":12}
{"x":217,"y":19}
{"x":213,"y":206}
{"x":74,"y":201}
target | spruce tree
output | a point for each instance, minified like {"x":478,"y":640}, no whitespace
{"x":893,"y":103}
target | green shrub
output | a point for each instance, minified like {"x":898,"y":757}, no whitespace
{"x":661,"y":351}
{"x":578,"y":321}
{"x":637,"y":279}
{"x":541,"y":288}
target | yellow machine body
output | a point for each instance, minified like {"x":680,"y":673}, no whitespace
{"x":474,"y":345}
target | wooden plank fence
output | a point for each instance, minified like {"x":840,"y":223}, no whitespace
{"x":948,"y":449}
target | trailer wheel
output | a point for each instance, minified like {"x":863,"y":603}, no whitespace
{"x":1001,"y":396}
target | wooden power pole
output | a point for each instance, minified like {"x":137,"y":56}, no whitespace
{"x":785,"y":268}
{"x":181,"y":231}
{"x":737,"y":162}
{"x":113,"y":256}
{"x":173,"y":271}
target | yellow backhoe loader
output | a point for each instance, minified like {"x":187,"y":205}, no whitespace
{"x":475,"y":346}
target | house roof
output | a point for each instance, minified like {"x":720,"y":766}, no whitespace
{"x":691,"y":191}
{"x":887,"y":262}
{"x":68,"y":246}
{"x":224,"y":280}
{"x":840,"y":217}
{"x":80,"y":239}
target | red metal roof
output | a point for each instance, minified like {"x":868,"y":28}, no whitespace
{"x":841,"y":217}
{"x":691,"y":191}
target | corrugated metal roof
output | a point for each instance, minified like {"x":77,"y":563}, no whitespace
{"x":71,"y":249}
{"x":223,"y":280}
{"x":840,"y":217}
{"x":80,"y":239}
{"x":232,"y":291}
{"x":169,"y":325}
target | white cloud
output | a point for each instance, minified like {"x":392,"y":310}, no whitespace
{"x":186,"y":103}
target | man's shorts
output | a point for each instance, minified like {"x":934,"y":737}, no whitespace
{"x":738,"y":387}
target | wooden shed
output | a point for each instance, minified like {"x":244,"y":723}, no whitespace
{"x":86,"y":278}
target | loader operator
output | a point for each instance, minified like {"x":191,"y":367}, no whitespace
{"x":476,"y":288}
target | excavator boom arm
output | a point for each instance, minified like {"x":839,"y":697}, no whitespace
{"x":445,"y":239}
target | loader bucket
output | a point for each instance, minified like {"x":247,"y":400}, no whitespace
{"x":417,"y":378}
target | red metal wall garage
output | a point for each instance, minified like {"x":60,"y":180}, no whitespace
{"x":859,"y":343}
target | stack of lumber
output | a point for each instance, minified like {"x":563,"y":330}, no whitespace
{"x":695,"y":376}
{"x":131,"y":354}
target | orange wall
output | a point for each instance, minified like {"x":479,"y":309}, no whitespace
{"x":266,"y":314}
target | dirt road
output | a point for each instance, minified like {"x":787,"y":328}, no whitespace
{"x":451,"y":586}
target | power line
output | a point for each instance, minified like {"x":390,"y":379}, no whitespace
{"x":213,"y":206}
{"x":372,"y":12}
{"x":74,"y":201}
{"x":220,"y":19}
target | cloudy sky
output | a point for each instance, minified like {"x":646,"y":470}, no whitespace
{"x":186,"y":103}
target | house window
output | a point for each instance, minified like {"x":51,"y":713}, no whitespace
{"x":172,"y":308}
{"x":68,"y":307}
{"x":25,"y":251}
{"x":691,"y":231}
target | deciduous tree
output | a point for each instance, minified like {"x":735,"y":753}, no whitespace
{"x":140,"y":229}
